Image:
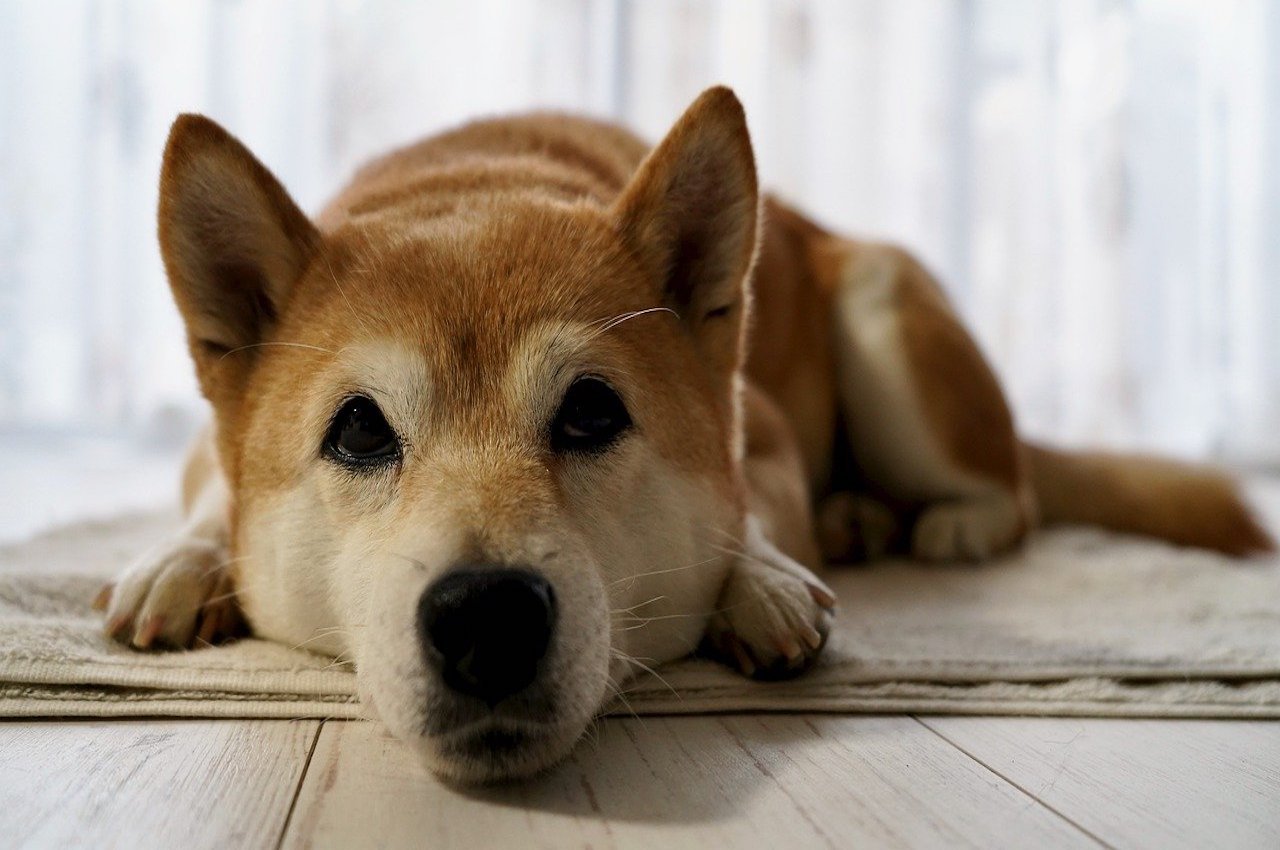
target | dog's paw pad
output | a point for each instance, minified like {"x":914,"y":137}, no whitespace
{"x":773,"y":617}
{"x":178,"y":597}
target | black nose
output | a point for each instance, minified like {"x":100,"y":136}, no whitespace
{"x":487,"y":629}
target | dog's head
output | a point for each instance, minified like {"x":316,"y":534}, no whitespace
{"x":489,"y":453}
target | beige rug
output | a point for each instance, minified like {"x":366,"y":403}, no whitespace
{"x":1081,"y":623}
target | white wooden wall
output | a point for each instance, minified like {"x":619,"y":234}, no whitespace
{"x":1098,"y":182}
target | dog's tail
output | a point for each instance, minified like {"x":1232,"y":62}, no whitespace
{"x":1184,"y":504}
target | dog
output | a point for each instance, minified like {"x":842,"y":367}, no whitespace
{"x":530,"y":406}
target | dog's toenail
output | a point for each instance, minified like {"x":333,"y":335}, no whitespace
{"x":822,"y":595}
{"x":789,"y":648}
{"x":740,"y":654}
{"x":147,"y":634}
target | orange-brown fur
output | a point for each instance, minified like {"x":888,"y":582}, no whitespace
{"x":790,"y":358}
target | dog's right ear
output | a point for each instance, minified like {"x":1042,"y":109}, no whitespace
{"x":690,"y":214}
{"x":233,"y":242}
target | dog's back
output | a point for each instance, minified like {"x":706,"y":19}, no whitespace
{"x":488,"y":162}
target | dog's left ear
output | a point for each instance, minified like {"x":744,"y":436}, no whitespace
{"x":234,"y":244}
{"x":690,"y":213}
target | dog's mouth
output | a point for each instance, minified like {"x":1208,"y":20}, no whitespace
{"x":470,"y":744}
{"x":494,"y":739}
{"x":448,"y":714}
{"x":497,"y":750}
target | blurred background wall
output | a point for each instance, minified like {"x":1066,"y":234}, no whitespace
{"x":1097,"y":182}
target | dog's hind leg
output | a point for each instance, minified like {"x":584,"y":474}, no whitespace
{"x":181,"y":593}
{"x":773,"y":613}
{"x":927,"y":421}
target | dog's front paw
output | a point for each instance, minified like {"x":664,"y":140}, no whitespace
{"x":178,"y":597}
{"x":773,"y":616}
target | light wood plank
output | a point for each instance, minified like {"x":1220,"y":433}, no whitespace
{"x":753,"y":781}
{"x":1139,"y":783}
{"x":150,"y":783}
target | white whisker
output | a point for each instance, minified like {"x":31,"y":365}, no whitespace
{"x":611,"y":323}
{"x":664,"y":571}
{"x":333,"y":277}
{"x":621,"y":697}
{"x":637,"y":605}
{"x":628,"y":659}
{"x":286,"y":344}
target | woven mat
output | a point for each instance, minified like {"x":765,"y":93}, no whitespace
{"x":1080,"y":623}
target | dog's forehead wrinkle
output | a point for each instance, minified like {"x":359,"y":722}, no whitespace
{"x":550,"y":256}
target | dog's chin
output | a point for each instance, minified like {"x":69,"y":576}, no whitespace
{"x":464,"y":744}
{"x":497,"y":751}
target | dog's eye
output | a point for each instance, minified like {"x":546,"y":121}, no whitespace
{"x":360,"y":434}
{"x":590,"y":418}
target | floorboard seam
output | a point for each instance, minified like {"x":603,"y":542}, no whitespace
{"x":302,"y":778}
{"x":1009,"y":780}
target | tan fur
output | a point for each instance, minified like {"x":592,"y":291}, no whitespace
{"x":462,"y":284}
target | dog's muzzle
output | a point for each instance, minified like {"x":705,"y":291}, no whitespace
{"x":485,"y":629}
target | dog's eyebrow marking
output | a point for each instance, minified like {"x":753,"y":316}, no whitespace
{"x":548,"y":356}
{"x":393,"y":372}
{"x":542,"y":363}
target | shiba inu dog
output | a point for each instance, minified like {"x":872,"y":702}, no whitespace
{"x":530,"y":406}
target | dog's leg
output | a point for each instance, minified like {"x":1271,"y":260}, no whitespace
{"x":773,"y":613}
{"x":928,"y":422}
{"x":181,"y":594}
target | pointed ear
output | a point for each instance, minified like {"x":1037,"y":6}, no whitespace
{"x":690,"y":213}
{"x":233,"y":244}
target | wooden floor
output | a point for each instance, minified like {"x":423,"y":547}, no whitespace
{"x":741,"y":781}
